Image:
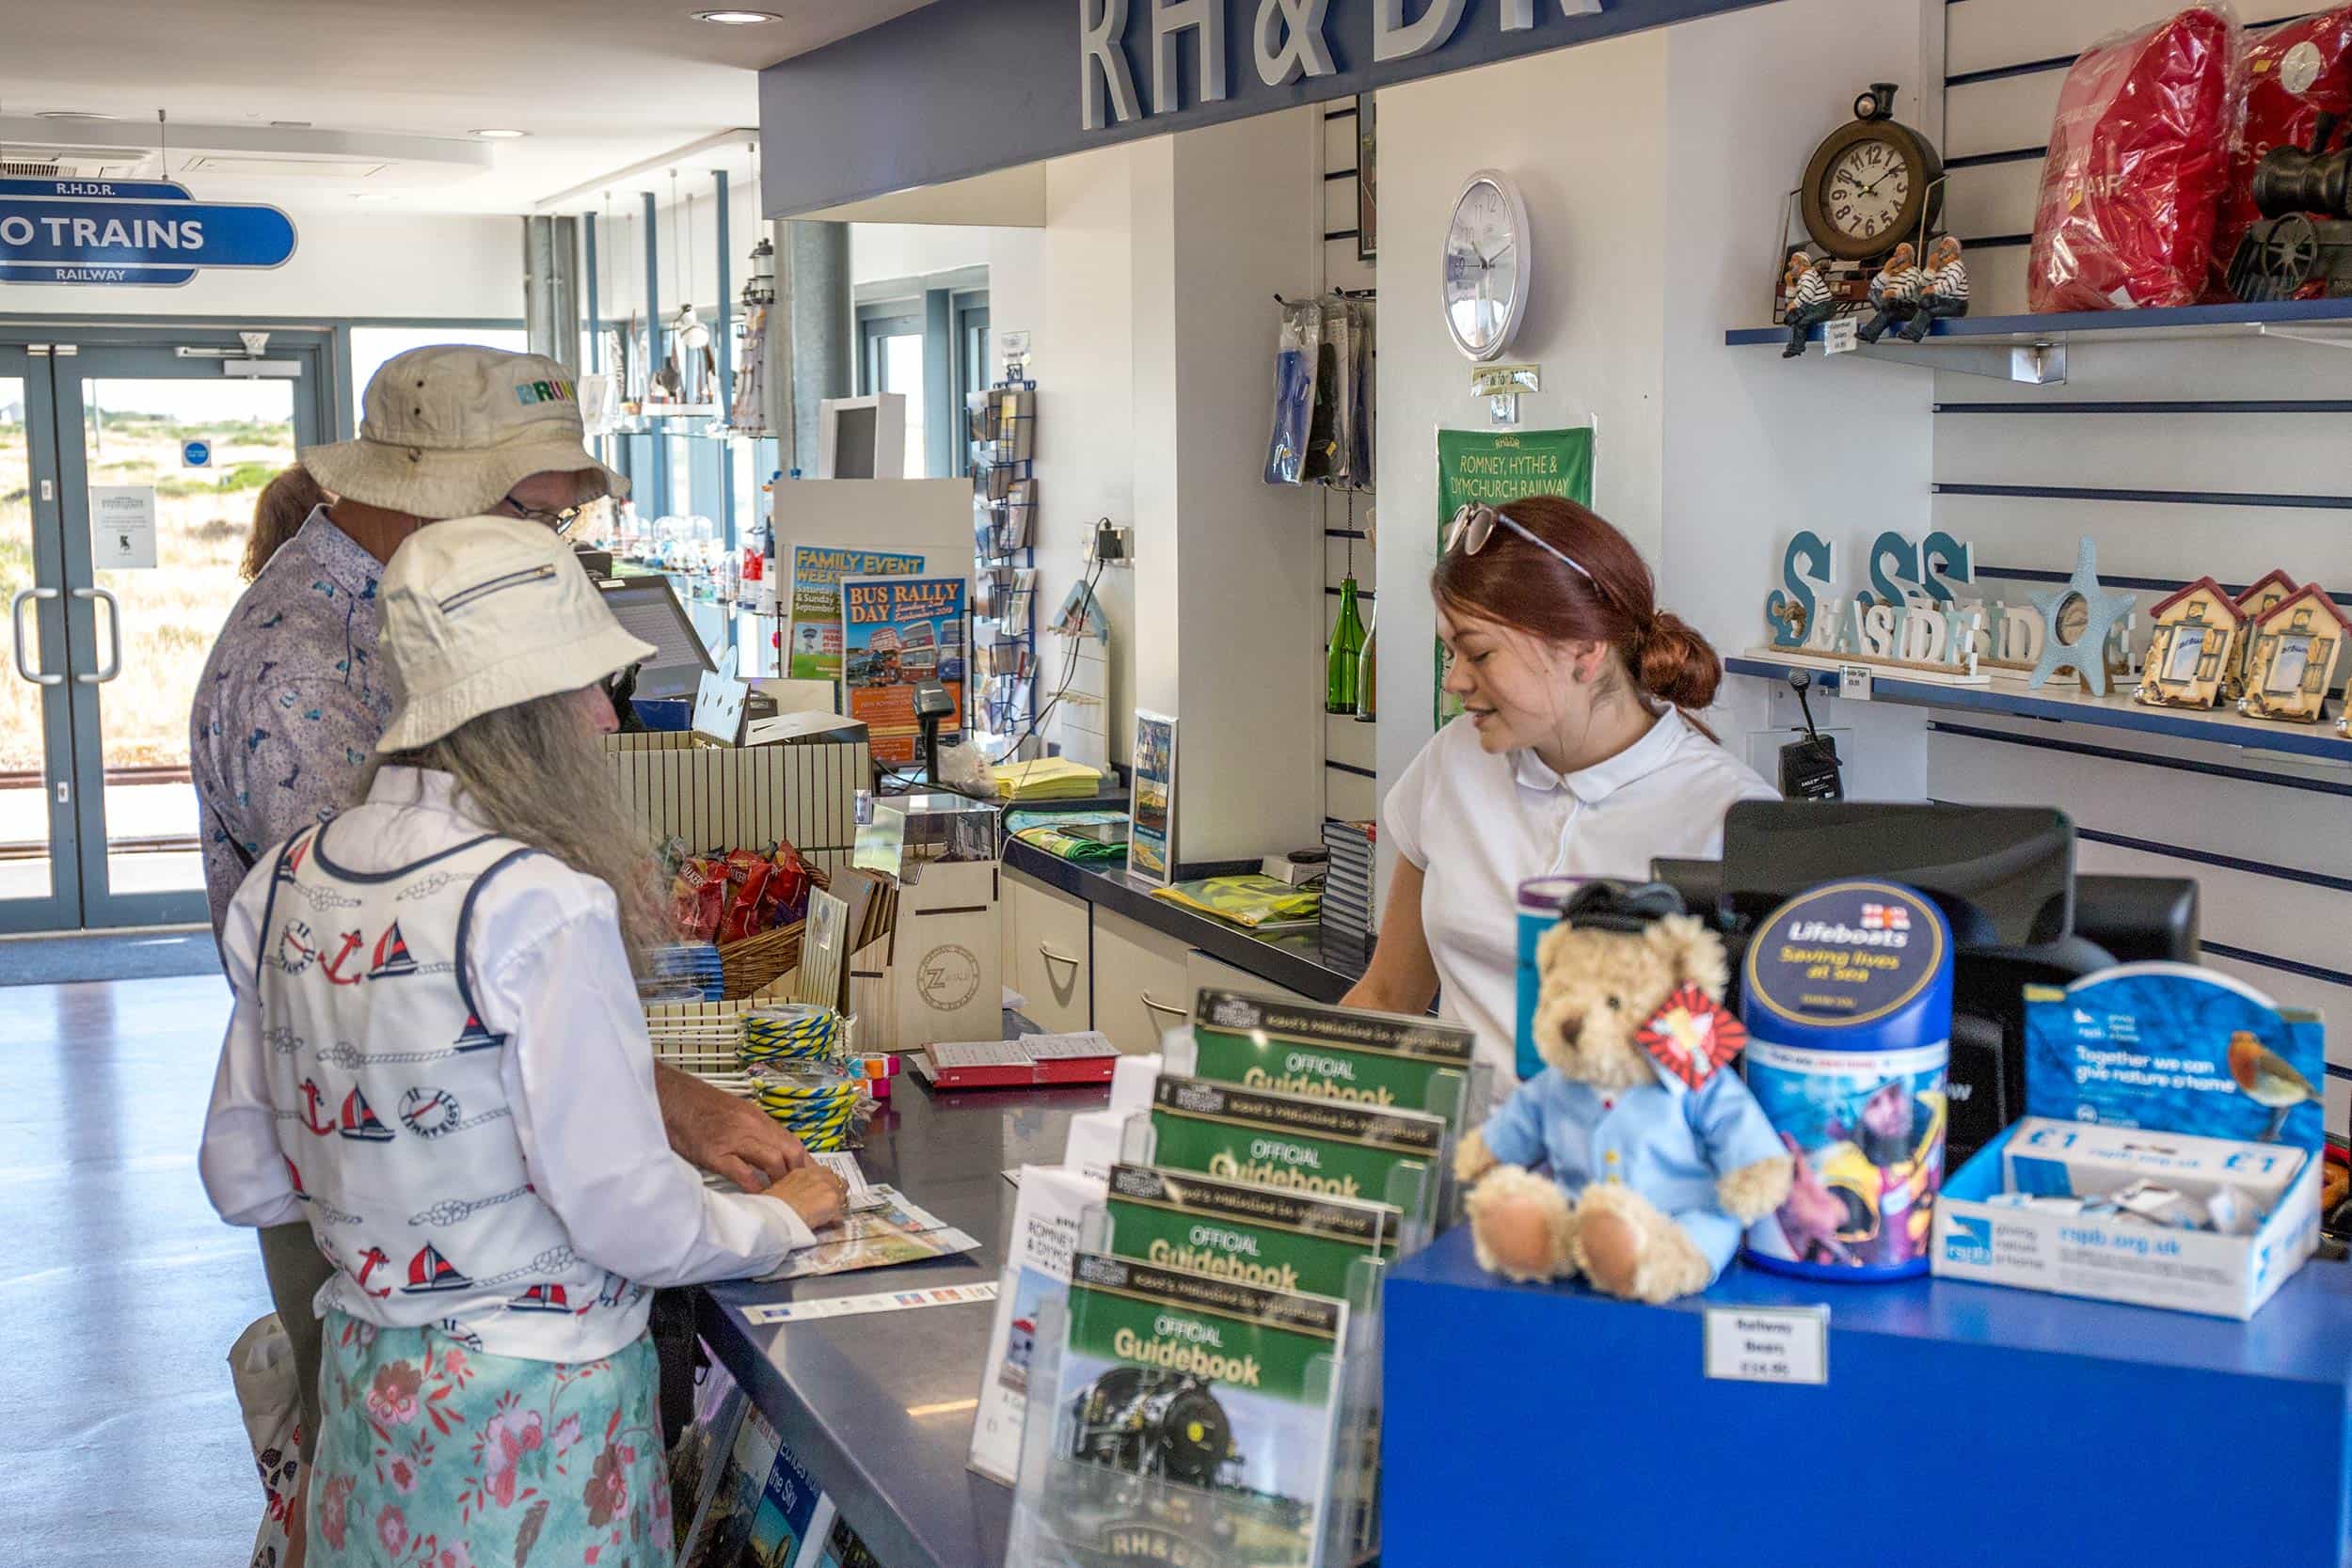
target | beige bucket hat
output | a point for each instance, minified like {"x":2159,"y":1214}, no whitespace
{"x":482,"y":614}
{"x":447,"y":431}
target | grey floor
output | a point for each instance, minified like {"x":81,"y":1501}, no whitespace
{"x":119,"y":1291}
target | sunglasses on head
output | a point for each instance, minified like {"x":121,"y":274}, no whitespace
{"x":560,"y":520}
{"x":1473,"y":526}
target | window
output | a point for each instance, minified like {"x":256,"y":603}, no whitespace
{"x":974,"y":369}
{"x":371,"y":346}
{"x":890,"y":359}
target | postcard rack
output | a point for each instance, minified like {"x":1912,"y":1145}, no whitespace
{"x":1001,"y":427}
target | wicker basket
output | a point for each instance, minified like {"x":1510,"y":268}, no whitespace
{"x":755,"y":961}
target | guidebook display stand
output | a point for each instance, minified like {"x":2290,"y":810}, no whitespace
{"x":1125,"y":1464}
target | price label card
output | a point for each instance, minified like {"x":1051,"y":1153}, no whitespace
{"x":1780,"y":1344}
{"x":1840,"y":335}
{"x":1853,"y":682}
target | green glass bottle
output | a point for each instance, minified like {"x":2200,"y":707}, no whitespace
{"x":1341,"y":673}
{"x":1368,"y":674}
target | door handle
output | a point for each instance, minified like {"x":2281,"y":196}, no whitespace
{"x":16,"y":618}
{"x":1053,"y":958}
{"x":1164,"y":1008}
{"x":113,"y":635}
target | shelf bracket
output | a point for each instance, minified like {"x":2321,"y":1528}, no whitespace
{"x":2042,"y":364}
{"x":2325,"y":337}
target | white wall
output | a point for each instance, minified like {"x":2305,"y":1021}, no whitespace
{"x":1755,"y":447}
{"x":1583,"y":131}
{"x":2257,"y":830}
{"x":1242,"y":223}
{"x":1068,"y":285}
{"x":346,"y":263}
{"x":881,"y":251}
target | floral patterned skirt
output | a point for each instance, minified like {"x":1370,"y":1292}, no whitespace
{"x":435,"y":1455}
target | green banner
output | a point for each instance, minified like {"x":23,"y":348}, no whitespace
{"x":1489,"y":467}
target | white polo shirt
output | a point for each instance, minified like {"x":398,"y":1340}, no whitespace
{"x":1479,"y":825}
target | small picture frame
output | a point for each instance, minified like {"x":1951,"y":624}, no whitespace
{"x":1152,"y":828}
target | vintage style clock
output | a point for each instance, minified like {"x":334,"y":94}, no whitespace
{"x":1873,"y":184}
{"x":1487,"y":265}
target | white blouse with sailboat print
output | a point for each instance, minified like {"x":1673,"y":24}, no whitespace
{"x":438,"y":1058}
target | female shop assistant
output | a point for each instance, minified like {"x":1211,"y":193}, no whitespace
{"x":1574,"y":756}
{"x":437,"y":1060}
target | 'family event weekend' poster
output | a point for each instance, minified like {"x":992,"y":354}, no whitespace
{"x":813,"y":652}
{"x":896,"y":632}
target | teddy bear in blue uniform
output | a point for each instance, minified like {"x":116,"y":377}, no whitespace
{"x":1659,"y":1156}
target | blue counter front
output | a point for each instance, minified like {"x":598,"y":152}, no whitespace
{"x":1959,"y":1424}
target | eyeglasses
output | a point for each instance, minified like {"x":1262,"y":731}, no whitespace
{"x":1474,"y":524}
{"x":560,"y":521}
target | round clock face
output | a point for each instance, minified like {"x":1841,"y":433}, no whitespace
{"x":1869,"y":185}
{"x":1486,"y":266}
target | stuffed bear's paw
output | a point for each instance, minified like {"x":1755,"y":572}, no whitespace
{"x":1755,"y":1191}
{"x":1628,"y":1248}
{"x":1472,"y":1159}
{"x":1521,"y":1225}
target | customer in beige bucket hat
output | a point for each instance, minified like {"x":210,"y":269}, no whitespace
{"x":483,"y":613}
{"x":455,"y":431}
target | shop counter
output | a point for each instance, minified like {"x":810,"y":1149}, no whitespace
{"x":1319,"y":965}
{"x":1959,"y":1424}
{"x":879,"y":1406}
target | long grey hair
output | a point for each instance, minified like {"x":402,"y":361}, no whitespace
{"x":534,"y":773}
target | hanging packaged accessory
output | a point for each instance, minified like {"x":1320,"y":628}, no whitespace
{"x":1298,"y":350}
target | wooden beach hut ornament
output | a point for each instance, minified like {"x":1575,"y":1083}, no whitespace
{"x":2294,"y":657}
{"x":2261,"y":597}
{"x":2197,"y":633}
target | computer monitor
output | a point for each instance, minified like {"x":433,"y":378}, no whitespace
{"x":648,"y":609}
{"x":862,"y":437}
{"x":2004,"y":875}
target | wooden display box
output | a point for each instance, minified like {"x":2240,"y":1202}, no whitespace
{"x":743,"y":798}
{"x":940,"y":975}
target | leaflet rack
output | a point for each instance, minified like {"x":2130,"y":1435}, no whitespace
{"x":1094,"y":1490}
{"x":1001,"y":427}
{"x":1422,"y":1200}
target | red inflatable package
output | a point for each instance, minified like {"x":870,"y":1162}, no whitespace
{"x":2295,"y":73}
{"x":2138,"y":154}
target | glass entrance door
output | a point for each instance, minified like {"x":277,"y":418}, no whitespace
{"x":40,"y":884}
{"x":158,"y":458}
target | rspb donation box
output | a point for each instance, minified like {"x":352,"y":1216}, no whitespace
{"x":2170,"y":1155}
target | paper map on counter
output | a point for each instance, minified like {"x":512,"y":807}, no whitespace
{"x":852,"y":1306}
{"x":894,"y":1231}
{"x":862,"y":1195}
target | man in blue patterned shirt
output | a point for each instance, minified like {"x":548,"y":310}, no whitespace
{"x":294,"y":697}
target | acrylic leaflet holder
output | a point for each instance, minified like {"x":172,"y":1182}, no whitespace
{"x":1182,"y":1418}
{"x":1413,"y":1189}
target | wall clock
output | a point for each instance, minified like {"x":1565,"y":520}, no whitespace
{"x":1872,"y":183}
{"x":1487,"y":265}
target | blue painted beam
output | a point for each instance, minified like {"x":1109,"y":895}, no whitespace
{"x":961,"y":87}
{"x":659,"y":502}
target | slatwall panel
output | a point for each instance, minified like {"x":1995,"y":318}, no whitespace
{"x":2005,"y":61}
{"x":748,"y":798}
{"x":1348,"y":788}
{"x":2181,"y":459}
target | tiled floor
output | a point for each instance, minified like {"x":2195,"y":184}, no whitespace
{"x":119,"y":1291}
